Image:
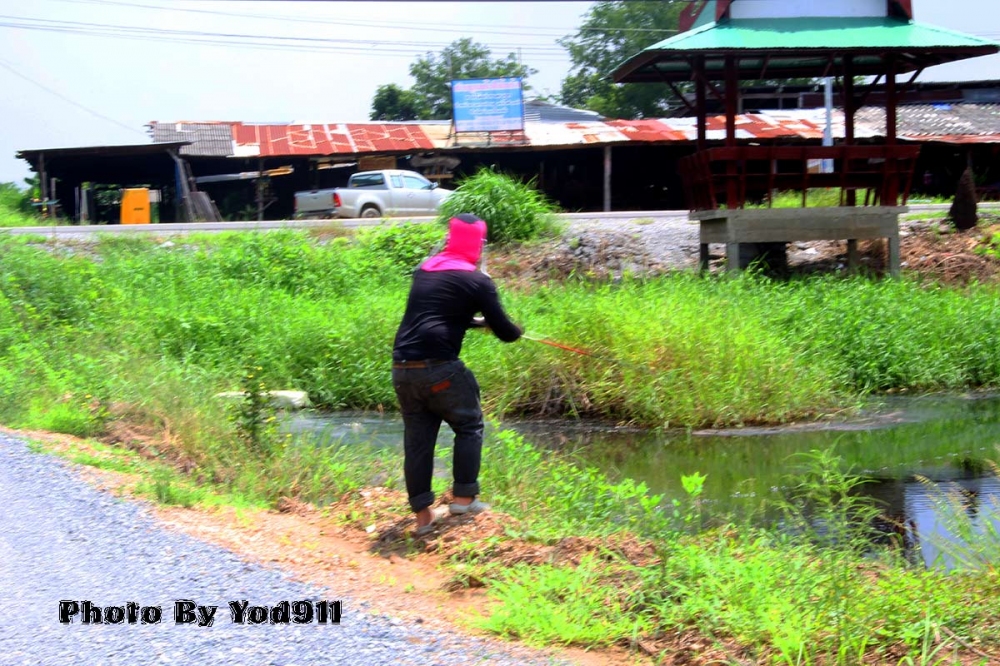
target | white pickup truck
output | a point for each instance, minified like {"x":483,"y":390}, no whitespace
{"x":386,"y":193}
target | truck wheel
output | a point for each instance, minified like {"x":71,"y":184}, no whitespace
{"x":370,"y":212}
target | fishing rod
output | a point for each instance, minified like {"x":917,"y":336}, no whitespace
{"x":585,"y":352}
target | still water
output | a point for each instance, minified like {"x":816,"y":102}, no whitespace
{"x":947,"y":439}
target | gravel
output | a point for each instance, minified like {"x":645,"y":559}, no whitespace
{"x":659,"y":240}
{"x":62,"y":539}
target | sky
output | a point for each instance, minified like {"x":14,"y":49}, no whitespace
{"x":95,"y":72}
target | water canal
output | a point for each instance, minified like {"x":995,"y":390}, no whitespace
{"x":947,"y":439}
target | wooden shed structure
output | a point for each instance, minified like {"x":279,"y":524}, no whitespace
{"x":724,"y":42}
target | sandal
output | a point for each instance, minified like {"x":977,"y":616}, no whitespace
{"x":475,"y":507}
{"x":437,"y":513}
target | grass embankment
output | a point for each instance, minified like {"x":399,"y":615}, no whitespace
{"x":130,"y":340}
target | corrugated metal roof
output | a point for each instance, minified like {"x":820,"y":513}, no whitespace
{"x":537,"y":111}
{"x":959,"y":123}
{"x":800,"y":47}
{"x":937,"y":120}
{"x":759,"y":34}
{"x":327,"y":139}
{"x":208,"y":139}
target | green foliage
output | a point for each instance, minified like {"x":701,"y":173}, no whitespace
{"x":690,"y":351}
{"x":254,"y":415}
{"x":823,"y":504}
{"x":64,"y":417}
{"x":545,"y":605}
{"x":167,"y":488}
{"x":829,"y":597}
{"x":393,"y":103}
{"x":320,"y":318}
{"x":607,"y":38}
{"x":989,"y":246}
{"x":433,"y":73}
{"x":970,"y":536}
{"x":401,"y":246}
{"x":514,"y":211}
{"x":813,"y":590}
{"x":14,"y":199}
{"x":555,"y":498}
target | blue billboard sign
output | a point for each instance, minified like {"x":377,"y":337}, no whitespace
{"x":487,"y":105}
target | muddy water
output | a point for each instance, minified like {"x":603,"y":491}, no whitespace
{"x":898,"y":446}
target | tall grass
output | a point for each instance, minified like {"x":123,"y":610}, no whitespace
{"x":320,"y":317}
{"x":815,"y":591}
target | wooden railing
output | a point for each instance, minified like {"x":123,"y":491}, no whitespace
{"x":741,"y":175}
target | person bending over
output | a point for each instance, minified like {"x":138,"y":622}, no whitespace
{"x":432,"y":384}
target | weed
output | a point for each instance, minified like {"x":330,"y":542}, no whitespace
{"x":514,"y":211}
{"x":563,"y":605}
{"x":165,"y":488}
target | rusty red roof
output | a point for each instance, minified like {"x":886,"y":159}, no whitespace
{"x":959,"y":123}
{"x":326,"y":139}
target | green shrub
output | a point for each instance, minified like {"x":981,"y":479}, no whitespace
{"x":402,"y":246}
{"x":514,"y":211}
{"x":15,"y":207}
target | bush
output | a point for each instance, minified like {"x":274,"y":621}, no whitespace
{"x":15,"y":206}
{"x":403,"y":246}
{"x":514,"y":211}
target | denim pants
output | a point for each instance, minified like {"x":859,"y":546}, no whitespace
{"x":444,"y":391}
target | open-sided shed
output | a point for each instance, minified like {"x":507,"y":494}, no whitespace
{"x":728,"y":41}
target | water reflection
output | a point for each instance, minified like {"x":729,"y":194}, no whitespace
{"x":946,"y":439}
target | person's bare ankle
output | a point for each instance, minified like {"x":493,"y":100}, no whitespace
{"x":424,"y":517}
{"x":464,"y":501}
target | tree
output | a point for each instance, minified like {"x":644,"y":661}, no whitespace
{"x":613,"y":32}
{"x":431,"y":94}
{"x":394,"y":103}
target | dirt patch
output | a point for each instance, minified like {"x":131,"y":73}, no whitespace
{"x":361,"y":547}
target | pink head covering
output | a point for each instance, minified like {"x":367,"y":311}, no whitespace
{"x":463,"y":246}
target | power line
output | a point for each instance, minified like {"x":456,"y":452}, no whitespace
{"x":240,"y":39}
{"x":98,"y":114}
{"x":520,"y":30}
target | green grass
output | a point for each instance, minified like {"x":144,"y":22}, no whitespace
{"x":116,"y":320}
{"x":816,"y":593}
{"x":826,"y":197}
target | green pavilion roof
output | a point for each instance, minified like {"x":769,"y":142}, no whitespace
{"x":801,"y":47}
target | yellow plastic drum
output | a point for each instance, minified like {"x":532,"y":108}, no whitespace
{"x":135,"y":205}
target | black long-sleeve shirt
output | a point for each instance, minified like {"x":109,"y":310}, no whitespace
{"x":440,"y":308}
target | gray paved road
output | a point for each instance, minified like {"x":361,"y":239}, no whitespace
{"x":76,"y":231}
{"x":663,"y":217}
{"x":60,"y":539}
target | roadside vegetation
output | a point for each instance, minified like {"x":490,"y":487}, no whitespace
{"x":128,"y":340}
{"x":517,"y":211}
{"x":15,"y":207}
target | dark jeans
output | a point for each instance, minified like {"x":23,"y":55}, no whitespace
{"x":447,"y":392}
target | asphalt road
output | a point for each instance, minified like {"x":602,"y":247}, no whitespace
{"x":62,"y":542}
{"x":175,"y":228}
{"x":179,"y":228}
